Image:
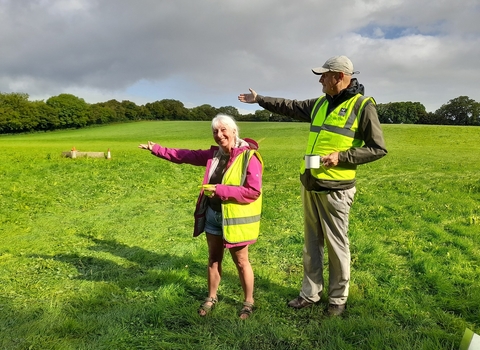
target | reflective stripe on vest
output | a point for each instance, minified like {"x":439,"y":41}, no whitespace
{"x":241,"y":222}
{"x":335,"y":133}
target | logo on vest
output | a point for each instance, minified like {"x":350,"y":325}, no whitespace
{"x":342,"y":112}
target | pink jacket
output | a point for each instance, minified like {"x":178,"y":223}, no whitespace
{"x":247,"y":193}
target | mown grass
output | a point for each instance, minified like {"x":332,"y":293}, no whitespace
{"x":98,"y":254}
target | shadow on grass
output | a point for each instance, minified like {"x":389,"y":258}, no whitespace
{"x":138,"y":297}
{"x":143,"y":270}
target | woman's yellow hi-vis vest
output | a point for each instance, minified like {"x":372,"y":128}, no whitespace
{"x":241,"y":222}
{"x":335,"y":133}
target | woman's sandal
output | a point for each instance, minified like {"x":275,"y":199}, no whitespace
{"x":246,"y":310}
{"x":207,"y":306}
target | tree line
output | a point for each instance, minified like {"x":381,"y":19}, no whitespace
{"x":18,"y":114}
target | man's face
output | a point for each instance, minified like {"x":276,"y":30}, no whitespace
{"x":329,"y":81}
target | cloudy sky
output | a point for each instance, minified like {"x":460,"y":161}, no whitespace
{"x":209,"y":51}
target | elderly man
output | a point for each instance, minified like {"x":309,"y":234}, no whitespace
{"x":345,"y":132}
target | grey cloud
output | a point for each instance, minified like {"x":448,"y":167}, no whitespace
{"x":222,"y":47}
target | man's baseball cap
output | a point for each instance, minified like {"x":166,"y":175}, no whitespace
{"x":336,"y":64}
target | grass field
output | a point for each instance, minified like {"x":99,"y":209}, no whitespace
{"x":99,"y":254}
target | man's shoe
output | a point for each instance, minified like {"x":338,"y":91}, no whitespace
{"x":299,"y":303}
{"x":336,"y":310}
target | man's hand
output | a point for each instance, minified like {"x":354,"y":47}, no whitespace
{"x":330,"y":160}
{"x":248,"y":98}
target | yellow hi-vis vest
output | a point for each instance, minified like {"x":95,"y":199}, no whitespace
{"x":335,"y":133}
{"x":241,"y":222}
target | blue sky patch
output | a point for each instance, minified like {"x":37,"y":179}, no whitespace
{"x":395,"y":32}
{"x":387,"y":32}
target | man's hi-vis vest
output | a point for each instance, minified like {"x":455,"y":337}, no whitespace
{"x":335,"y":133}
{"x":241,"y":222}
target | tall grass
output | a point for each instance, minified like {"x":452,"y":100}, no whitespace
{"x":99,"y":254}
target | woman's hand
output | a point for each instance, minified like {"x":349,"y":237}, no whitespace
{"x":209,"y":190}
{"x":148,"y":146}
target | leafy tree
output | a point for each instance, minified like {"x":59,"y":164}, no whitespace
{"x":144,"y":113}
{"x":281,"y":118}
{"x":17,"y":113}
{"x":262,"y":115}
{"x":118,"y":109}
{"x":246,"y":117}
{"x":9,"y":112}
{"x":46,"y":116}
{"x":71,"y":110}
{"x":431,"y":118}
{"x":230,"y":110}
{"x":175,"y":110}
{"x":401,"y":112}
{"x":419,"y":109}
{"x":168,"y":109}
{"x":384,"y":114}
{"x":98,"y":113}
{"x":460,"y":111}
{"x":132,"y":111}
{"x":203,"y":112}
{"x":9,"y":120}
{"x":157,"y":110}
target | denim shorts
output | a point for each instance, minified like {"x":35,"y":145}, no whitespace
{"x":213,"y":222}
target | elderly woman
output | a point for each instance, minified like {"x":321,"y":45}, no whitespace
{"x":229,"y":205}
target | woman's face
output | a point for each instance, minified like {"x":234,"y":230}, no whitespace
{"x":224,"y":136}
